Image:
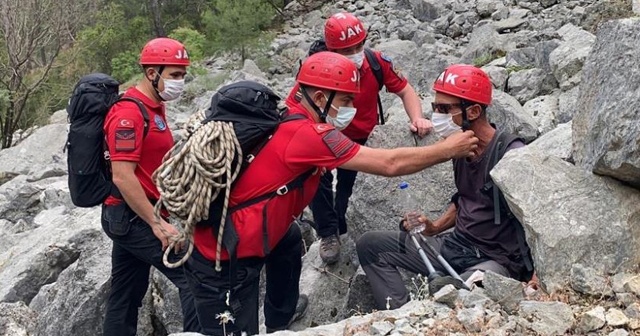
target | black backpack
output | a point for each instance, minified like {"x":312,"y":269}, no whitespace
{"x":320,"y":45}
{"x":87,"y":153}
{"x":253,"y":109}
{"x":500,"y":207}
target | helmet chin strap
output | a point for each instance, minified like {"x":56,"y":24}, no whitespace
{"x":466,"y":123}
{"x":156,"y":80}
{"x":321,"y":113}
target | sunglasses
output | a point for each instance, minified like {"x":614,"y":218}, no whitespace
{"x":445,"y":108}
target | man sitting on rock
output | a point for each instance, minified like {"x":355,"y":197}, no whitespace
{"x":480,"y":239}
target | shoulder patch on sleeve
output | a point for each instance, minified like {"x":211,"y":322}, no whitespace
{"x":125,"y":123}
{"x":125,"y":139}
{"x":397,"y":71}
{"x":386,"y":58}
{"x":322,"y":128}
{"x":337,"y":142}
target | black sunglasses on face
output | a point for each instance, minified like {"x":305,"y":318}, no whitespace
{"x":444,"y":108}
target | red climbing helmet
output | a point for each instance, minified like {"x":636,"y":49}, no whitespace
{"x":328,"y":70}
{"x":465,"y":81}
{"x":164,"y":51}
{"x":343,"y":30}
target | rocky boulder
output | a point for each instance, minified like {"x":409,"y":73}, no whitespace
{"x":40,"y":154}
{"x":568,"y":217}
{"x":606,"y":130}
{"x":567,"y":59}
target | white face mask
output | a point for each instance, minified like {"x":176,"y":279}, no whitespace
{"x":357,"y":59}
{"x":172,"y":89}
{"x":343,"y":119}
{"x":443,"y":124}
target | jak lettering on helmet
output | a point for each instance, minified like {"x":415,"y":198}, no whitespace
{"x":355,"y":76}
{"x":351,"y":32}
{"x":182,"y":54}
{"x":451,"y":78}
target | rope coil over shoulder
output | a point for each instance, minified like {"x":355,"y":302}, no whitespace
{"x":193,"y":174}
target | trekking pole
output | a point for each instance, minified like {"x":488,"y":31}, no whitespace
{"x":423,"y":255}
{"x":442,"y":260}
{"x":436,"y":279}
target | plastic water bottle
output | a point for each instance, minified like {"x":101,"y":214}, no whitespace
{"x":410,"y":208}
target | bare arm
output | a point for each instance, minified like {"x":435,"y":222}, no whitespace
{"x":398,"y":161}
{"x":411,"y":102}
{"x":125,"y":179}
{"x":409,"y":160}
{"x":445,"y":222}
{"x":413,"y":107}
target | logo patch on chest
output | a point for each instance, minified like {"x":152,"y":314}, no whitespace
{"x":160,"y":123}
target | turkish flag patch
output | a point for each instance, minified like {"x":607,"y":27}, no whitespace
{"x":322,"y":127}
{"x":337,"y":142}
{"x":125,"y":140}
{"x":128,"y":123}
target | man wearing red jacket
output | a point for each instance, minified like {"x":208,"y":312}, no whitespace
{"x":136,"y":147}
{"x":345,"y":35}
{"x":229,"y":301}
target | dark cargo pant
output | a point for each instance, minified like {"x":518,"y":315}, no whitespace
{"x":329,"y":215}
{"x":382,"y":252}
{"x":210,"y":288}
{"x":135,"y":250}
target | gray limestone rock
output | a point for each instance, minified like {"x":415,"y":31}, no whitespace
{"x":505,"y":291}
{"x":562,"y":209}
{"x":606,"y":131}
{"x":547,"y":318}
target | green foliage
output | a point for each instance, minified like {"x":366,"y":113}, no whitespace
{"x":260,"y":50}
{"x":110,"y":33}
{"x":488,"y":58}
{"x":98,"y":44}
{"x":125,"y":65}
{"x":193,"y":40}
{"x":516,"y":68}
{"x":235,"y":24}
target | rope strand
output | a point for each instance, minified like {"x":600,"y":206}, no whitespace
{"x":193,"y":174}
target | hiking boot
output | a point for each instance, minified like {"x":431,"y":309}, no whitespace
{"x":330,"y":249}
{"x":301,"y":310}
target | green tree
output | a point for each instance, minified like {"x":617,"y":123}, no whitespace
{"x":236,"y":24}
{"x":193,"y":40}
{"x":112,"y":34}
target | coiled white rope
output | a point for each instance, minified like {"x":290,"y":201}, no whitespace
{"x":193,"y":173}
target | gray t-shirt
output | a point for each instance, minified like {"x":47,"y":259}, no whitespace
{"x":475,"y":211}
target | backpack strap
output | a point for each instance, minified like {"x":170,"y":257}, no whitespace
{"x":257,"y":148}
{"x":141,"y":107}
{"x":230,"y":236}
{"x":497,"y":152}
{"x":377,"y":72}
{"x":503,"y":141}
